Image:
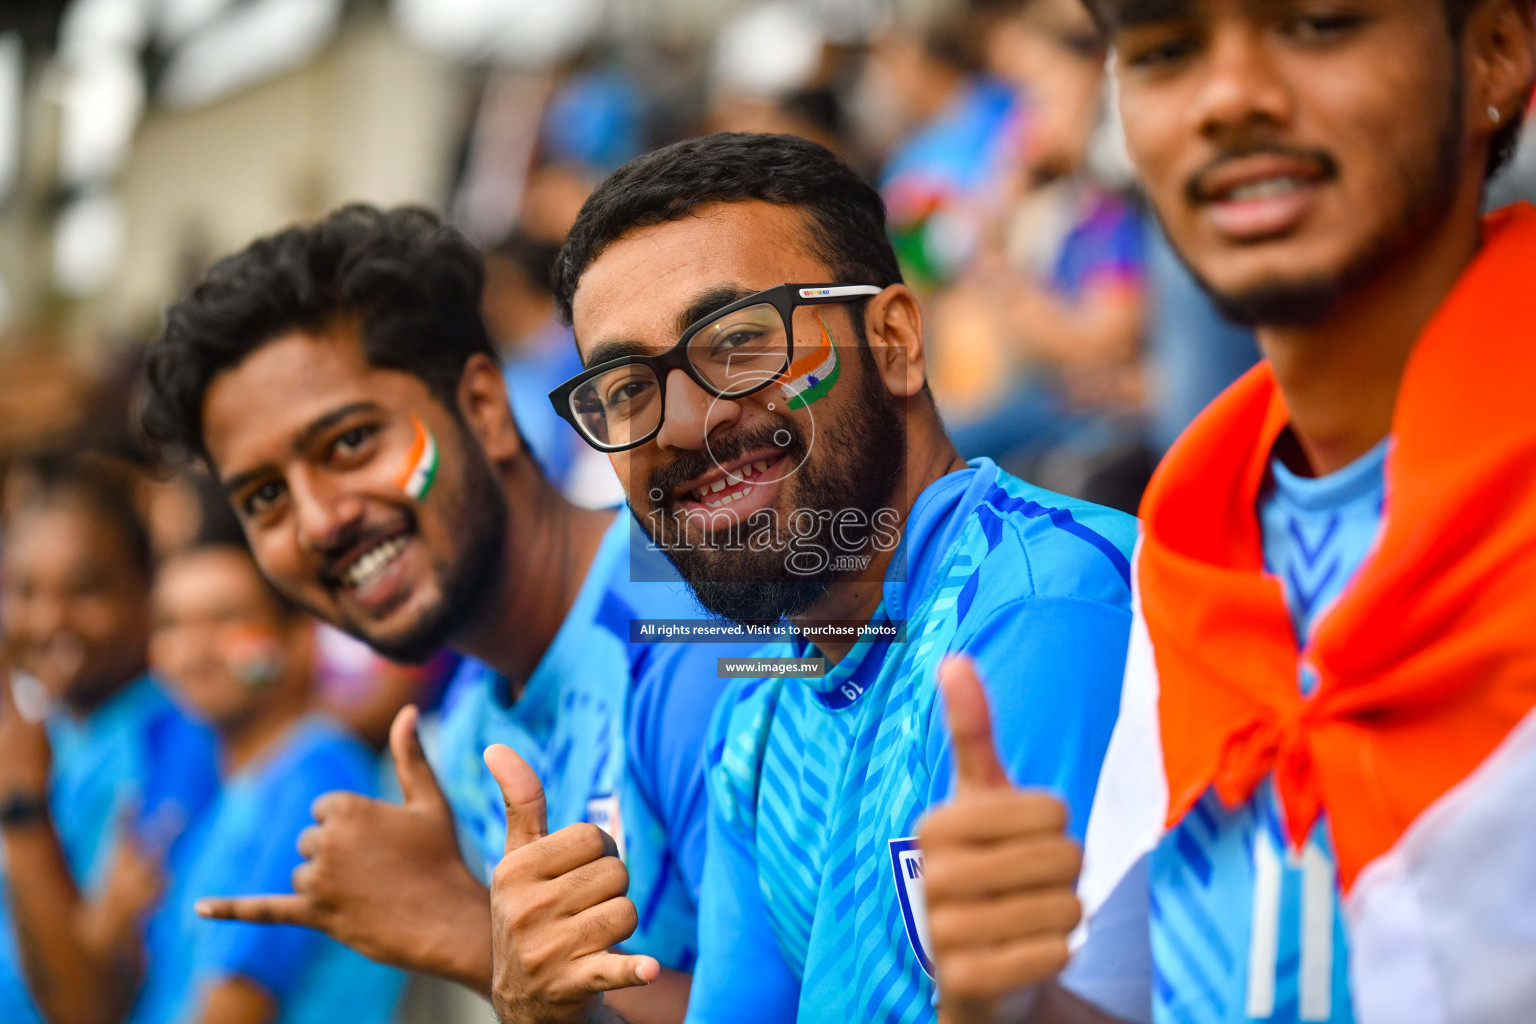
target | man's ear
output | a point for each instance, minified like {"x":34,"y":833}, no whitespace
{"x":1500,"y":37}
{"x":485,"y":408}
{"x":893,"y":323}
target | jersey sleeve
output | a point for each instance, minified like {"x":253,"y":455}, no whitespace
{"x":1052,"y":668}
{"x":667,"y":725}
{"x":741,"y":976}
{"x":272,"y":956}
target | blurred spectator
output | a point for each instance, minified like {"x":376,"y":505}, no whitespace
{"x":240,"y":657}
{"x":1050,"y":313}
{"x":814,"y":114}
{"x":770,"y":73}
{"x":539,"y":353}
{"x":596,"y":121}
{"x":958,"y":128}
{"x":91,"y":751}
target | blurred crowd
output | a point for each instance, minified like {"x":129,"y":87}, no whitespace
{"x":1067,"y":343}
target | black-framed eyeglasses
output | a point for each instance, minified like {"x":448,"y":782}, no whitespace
{"x":735,"y":351}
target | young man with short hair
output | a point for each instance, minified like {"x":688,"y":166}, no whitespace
{"x":338,"y":381}
{"x":778,"y":441}
{"x":1326,"y":749}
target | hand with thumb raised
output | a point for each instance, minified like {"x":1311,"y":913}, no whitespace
{"x":1000,"y":870}
{"x":385,"y":879}
{"x":558,"y":905}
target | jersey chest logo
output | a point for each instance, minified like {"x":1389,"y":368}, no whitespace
{"x":907,"y":867}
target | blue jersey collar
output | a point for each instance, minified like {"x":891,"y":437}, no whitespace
{"x":930,"y":532}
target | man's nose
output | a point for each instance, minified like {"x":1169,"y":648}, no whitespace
{"x":324,"y":515}
{"x":692,"y":414}
{"x":1242,"y":87}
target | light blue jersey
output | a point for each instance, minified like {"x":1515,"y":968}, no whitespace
{"x":1244,"y":929}
{"x":245,"y":845}
{"x":614,"y":730}
{"x":812,"y":906}
{"x":136,"y":753}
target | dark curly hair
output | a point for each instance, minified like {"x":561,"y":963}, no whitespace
{"x":411,"y":282}
{"x":845,"y":215}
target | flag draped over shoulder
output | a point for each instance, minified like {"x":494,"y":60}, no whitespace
{"x":1426,"y":664}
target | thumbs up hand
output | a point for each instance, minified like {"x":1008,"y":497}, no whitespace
{"x":1000,"y":871}
{"x":386,"y":880}
{"x":557,"y":906}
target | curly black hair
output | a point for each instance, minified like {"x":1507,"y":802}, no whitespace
{"x":411,"y":282}
{"x":846,"y":218}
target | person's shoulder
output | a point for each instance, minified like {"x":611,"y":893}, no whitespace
{"x":321,"y":755}
{"x":1046,"y":545}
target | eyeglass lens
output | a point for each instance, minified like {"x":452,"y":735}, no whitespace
{"x":736,"y":353}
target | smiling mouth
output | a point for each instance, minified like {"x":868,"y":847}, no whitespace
{"x":1265,"y":188}
{"x":369,"y":566}
{"x":734,"y":484}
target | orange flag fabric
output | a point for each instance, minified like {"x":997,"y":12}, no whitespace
{"x":1428,"y":659}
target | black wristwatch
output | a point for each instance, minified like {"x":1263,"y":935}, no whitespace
{"x":19,"y":810}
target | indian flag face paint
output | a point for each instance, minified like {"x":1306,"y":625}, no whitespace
{"x":812,"y":375}
{"x":419,"y":469}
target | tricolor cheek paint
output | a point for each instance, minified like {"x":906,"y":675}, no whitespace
{"x":812,"y":375}
{"x":254,"y":655}
{"x":418,"y":470}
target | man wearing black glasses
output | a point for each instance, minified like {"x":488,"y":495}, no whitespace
{"x":778,"y":441}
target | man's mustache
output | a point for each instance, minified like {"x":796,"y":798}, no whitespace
{"x":1198,"y":189}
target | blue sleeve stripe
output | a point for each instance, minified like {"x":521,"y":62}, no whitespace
{"x":1062,"y":519}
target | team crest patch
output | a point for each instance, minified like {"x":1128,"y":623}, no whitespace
{"x":907,"y":866}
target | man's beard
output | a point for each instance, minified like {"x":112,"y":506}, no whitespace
{"x":737,"y":580}
{"x":478,"y":513}
{"x":1309,"y":301}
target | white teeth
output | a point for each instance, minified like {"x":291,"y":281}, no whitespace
{"x":733,"y":479}
{"x":367,"y":568}
{"x":1264,"y":189}
{"x":726,"y":499}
